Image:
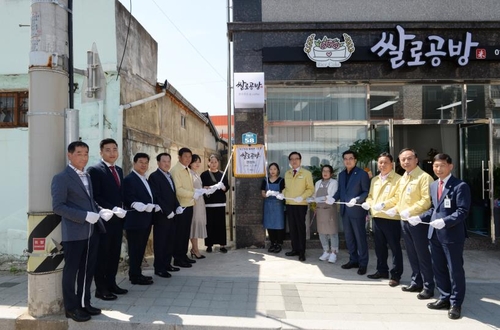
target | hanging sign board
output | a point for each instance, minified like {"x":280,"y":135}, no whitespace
{"x":248,"y":90}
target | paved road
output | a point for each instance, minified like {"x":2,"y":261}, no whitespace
{"x":253,"y":289}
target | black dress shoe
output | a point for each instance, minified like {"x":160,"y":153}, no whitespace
{"x":425,"y":294}
{"x":146,"y":277}
{"x":302,"y":257}
{"x":393,"y":282}
{"x":277,"y":248}
{"x":78,"y":315}
{"x":378,"y":275}
{"x":164,"y":274}
{"x":350,"y":265}
{"x":173,"y":269}
{"x":271,"y":248}
{"x":209,"y":249}
{"x":117,"y":290}
{"x":412,"y":288}
{"x":105,"y":296}
{"x":291,"y":253}
{"x":454,"y":312}
{"x":439,"y":304}
{"x":182,"y":264}
{"x":362,"y":270}
{"x":223,"y":249}
{"x":191,"y":261}
{"x":92,"y":310}
{"x":141,"y":281}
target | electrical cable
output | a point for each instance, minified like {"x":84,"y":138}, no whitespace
{"x":126,"y":40}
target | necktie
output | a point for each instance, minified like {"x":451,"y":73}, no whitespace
{"x":115,"y":175}
{"x":169,"y":178}
{"x":294,"y":172}
{"x":440,"y":189}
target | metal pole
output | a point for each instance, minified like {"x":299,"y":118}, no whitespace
{"x":48,"y":99}
{"x":229,"y":128}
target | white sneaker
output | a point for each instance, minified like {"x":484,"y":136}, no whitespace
{"x":324,"y":256}
{"x":333,"y":258}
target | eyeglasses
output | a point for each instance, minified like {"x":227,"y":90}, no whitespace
{"x":350,"y":158}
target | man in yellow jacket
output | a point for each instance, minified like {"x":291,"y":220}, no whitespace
{"x":386,"y":229}
{"x":412,"y":198}
{"x":298,"y":187}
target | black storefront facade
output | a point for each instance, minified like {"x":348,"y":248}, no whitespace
{"x":403,"y":80}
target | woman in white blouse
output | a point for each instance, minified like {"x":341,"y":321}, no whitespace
{"x":326,"y":215}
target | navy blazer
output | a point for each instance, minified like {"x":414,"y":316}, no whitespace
{"x":106,"y":192}
{"x":455,"y":229}
{"x":357,"y":187}
{"x":164,"y":195}
{"x":71,"y":201}
{"x":135,"y":191}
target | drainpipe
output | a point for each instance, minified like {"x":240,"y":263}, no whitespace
{"x":121,"y":108}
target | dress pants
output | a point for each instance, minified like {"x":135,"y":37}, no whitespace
{"x":163,"y":242}
{"x":388,"y":232}
{"x":355,"y":239}
{"x":296,"y":215}
{"x":79,"y":265}
{"x":137,"y":241}
{"x":417,"y":248}
{"x":108,"y":258}
{"x":182,"y":233}
{"x":448,"y":267}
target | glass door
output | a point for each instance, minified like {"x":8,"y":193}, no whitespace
{"x":475,"y":169}
{"x":381,"y":131}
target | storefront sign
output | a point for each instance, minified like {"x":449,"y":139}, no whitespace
{"x":248,"y":90}
{"x":329,"y":52}
{"x":433,"y":50}
{"x":249,"y":161}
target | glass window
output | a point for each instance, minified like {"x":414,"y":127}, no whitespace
{"x":13,"y":109}
{"x":316,"y":103}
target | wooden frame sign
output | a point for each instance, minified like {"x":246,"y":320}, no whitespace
{"x":249,"y":161}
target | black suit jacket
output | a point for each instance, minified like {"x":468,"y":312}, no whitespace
{"x":135,"y":191}
{"x":106,"y":192}
{"x":164,"y":195}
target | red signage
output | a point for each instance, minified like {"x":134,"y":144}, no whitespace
{"x":38,"y":244}
{"x":480,"y":53}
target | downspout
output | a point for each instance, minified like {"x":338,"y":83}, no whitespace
{"x":70,"y":56}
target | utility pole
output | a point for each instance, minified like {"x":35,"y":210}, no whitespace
{"x":48,"y":100}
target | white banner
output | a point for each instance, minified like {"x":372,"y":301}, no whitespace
{"x":249,"y":161}
{"x":248,"y":90}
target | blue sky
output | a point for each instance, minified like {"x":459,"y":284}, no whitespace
{"x":192,"y":47}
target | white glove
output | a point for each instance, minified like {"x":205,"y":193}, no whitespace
{"x":365,"y":206}
{"x":438,"y":223}
{"x":150,"y":207}
{"x":179,"y":210}
{"x":120,"y":213}
{"x":220,"y":185}
{"x":92,"y":217}
{"x":330,"y":200}
{"x":211,"y":190}
{"x":352,"y":202}
{"x":171,"y":215}
{"x":280,"y":197}
{"x":310,"y":200}
{"x":157,"y":208}
{"x":197,"y":195}
{"x":271,"y":193}
{"x":106,"y":214}
{"x":391,"y":212}
{"x":141,"y":207}
{"x":201,"y":191}
{"x":378,"y":207}
{"x":298,"y":199}
{"x":405,"y":214}
{"x":414,"y":220}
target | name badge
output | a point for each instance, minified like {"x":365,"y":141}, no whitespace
{"x":408,"y":190}
{"x":387,"y":189}
{"x":447,"y":203}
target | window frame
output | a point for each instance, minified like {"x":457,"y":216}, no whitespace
{"x":19,"y":109}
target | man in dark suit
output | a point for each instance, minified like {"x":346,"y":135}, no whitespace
{"x":163,"y":188}
{"x":106,"y":180}
{"x":73,"y":200}
{"x":354,"y":185}
{"x":138,"y":195}
{"x":447,"y":231}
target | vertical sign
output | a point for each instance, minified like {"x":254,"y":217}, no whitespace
{"x":248,"y":90}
